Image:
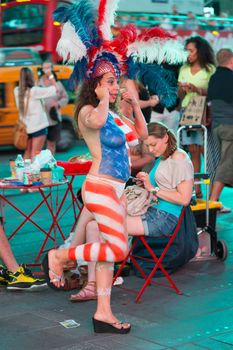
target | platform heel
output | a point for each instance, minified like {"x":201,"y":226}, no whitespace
{"x":104,"y":327}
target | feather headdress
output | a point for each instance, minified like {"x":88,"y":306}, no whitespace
{"x":87,"y":42}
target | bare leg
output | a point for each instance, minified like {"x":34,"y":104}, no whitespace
{"x":51,"y":145}
{"x":134,"y":226}
{"x":6,"y":253}
{"x":216,"y":190}
{"x":88,"y":292}
{"x":37,"y":145}
{"x":27,"y":153}
{"x":104,"y":277}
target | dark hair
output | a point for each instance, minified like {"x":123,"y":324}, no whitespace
{"x":159,"y":130}
{"x":26,"y":81}
{"x":87,"y":96}
{"x":205,"y":52}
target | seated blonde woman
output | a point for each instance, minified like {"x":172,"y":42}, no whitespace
{"x":170,"y":180}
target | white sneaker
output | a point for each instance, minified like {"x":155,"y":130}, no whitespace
{"x":225,"y":210}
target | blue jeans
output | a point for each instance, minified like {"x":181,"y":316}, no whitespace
{"x":158,"y":223}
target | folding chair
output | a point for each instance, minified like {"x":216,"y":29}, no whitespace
{"x":157,"y":261}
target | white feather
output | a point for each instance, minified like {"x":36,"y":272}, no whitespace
{"x":109,"y":16}
{"x":70,"y":46}
{"x":158,"y":50}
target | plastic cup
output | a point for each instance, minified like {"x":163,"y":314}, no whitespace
{"x":46,"y":176}
{"x":58,"y":174}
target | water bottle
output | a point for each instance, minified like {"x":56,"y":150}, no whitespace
{"x":52,"y":163}
{"x":27,"y":173}
{"x":19,"y":167}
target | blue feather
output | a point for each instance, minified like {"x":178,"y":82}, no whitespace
{"x":82,"y":16}
{"x":158,"y":80}
{"x":78,"y":74}
{"x":61,"y":14}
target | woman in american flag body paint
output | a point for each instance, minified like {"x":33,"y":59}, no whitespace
{"x":104,"y":133}
{"x":135,"y":129}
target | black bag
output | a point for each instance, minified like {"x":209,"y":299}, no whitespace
{"x":53,"y":113}
{"x":183,"y":248}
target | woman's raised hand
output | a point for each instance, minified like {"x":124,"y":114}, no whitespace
{"x":129,"y":97}
{"x":102,"y":92}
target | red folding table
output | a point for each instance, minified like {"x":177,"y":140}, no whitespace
{"x":47,"y":199}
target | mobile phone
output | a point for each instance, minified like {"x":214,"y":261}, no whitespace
{"x":135,"y":179}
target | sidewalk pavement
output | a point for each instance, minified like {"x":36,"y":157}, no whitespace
{"x":201,"y":318}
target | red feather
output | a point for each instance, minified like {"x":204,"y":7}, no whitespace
{"x":155,"y":33}
{"x":101,"y":16}
{"x":126,"y":36}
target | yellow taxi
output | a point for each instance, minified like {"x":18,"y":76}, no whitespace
{"x":11,"y":61}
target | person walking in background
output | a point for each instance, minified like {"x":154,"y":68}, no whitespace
{"x":52,"y":106}
{"x":193,"y":80}
{"x":175,"y":18}
{"x":29,"y":101}
{"x":14,"y":276}
{"x":220,"y":96}
{"x":191,"y":22}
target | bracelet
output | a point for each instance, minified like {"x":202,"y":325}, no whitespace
{"x":51,"y":77}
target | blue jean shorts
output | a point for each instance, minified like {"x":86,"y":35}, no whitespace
{"x":38,"y":133}
{"x":158,"y":223}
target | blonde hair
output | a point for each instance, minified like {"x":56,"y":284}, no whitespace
{"x":26,"y":82}
{"x":159,"y":130}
